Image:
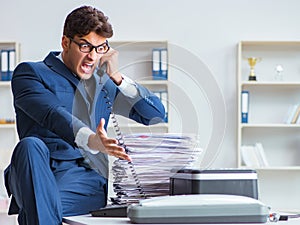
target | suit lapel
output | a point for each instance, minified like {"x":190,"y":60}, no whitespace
{"x":58,"y":66}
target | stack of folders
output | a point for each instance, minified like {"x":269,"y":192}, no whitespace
{"x":155,"y":158}
{"x":8,"y":63}
{"x":160,"y":64}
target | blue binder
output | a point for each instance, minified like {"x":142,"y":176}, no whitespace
{"x":164,"y":63}
{"x":160,"y":64}
{"x":8,"y":60}
{"x":163,"y":96}
{"x":156,"y":73}
{"x":245,"y":106}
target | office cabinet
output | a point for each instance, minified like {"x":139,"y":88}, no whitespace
{"x":271,"y":107}
{"x":8,"y":134}
{"x":136,"y":62}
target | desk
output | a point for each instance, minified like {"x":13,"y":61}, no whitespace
{"x":89,"y":220}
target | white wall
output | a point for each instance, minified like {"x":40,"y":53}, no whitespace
{"x":208,"y":29}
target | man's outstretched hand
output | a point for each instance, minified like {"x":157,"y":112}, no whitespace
{"x":101,"y":142}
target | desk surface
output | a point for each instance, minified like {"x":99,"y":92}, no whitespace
{"x":90,"y":220}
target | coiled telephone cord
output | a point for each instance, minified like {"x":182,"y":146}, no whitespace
{"x":120,"y":139}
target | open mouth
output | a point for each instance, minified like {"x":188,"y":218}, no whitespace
{"x":87,"y":68}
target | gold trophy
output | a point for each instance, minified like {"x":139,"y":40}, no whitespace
{"x":252,"y":62}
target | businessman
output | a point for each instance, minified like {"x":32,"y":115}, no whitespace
{"x":62,"y":108}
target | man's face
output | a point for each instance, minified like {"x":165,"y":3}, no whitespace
{"x":80,"y":63}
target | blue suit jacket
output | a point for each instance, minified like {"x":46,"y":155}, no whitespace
{"x":51,"y":104}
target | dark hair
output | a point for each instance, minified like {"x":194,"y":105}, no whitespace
{"x":85,"y":19}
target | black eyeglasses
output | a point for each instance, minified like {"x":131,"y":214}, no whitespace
{"x":88,"y":47}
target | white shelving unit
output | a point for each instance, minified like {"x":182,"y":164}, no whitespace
{"x":269,"y":102}
{"x":8,"y":133}
{"x":8,"y":136}
{"x":135,"y":61}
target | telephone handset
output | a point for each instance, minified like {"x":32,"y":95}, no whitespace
{"x":101,"y":71}
{"x":119,"y":136}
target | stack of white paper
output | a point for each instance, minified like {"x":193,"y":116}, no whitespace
{"x":155,"y":158}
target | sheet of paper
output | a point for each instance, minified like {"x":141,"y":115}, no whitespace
{"x":155,"y":157}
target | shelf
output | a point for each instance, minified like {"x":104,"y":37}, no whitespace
{"x":276,"y":44}
{"x":135,"y":57}
{"x":270,"y":83}
{"x":270,"y":104}
{"x":137,"y":125}
{"x":5,"y":83}
{"x":3,"y":211}
{"x":130,"y":43}
{"x":138,"y":128}
{"x":8,"y":132}
{"x":8,"y":126}
{"x":160,"y":125}
{"x":136,"y":62}
{"x":269,"y":125}
{"x":273,"y":168}
{"x":153,"y":82}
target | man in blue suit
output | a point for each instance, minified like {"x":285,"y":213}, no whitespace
{"x":62,"y":106}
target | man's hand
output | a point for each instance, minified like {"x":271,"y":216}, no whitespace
{"x":101,"y":142}
{"x":112,"y":65}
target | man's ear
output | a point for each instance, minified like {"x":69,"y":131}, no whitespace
{"x":65,"y":43}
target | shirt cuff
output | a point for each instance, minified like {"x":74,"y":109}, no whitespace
{"x":128,"y":87}
{"x":82,"y":139}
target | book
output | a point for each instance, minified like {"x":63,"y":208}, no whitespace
{"x":249,"y":157}
{"x":292,"y":115}
{"x":296,"y":115}
{"x":298,"y":120}
{"x":254,"y":156}
{"x":260,"y":153}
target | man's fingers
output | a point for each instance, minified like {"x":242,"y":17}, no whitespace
{"x":110,"y":145}
{"x":126,"y":157}
{"x":109,"y":141}
{"x":101,"y":124}
{"x":100,"y":128}
{"x":122,"y":155}
{"x":119,"y":152}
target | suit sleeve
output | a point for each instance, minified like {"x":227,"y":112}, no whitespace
{"x":145,"y":108}
{"x":35,"y":99}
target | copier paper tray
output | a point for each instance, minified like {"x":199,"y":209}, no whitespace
{"x":199,"y":208}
